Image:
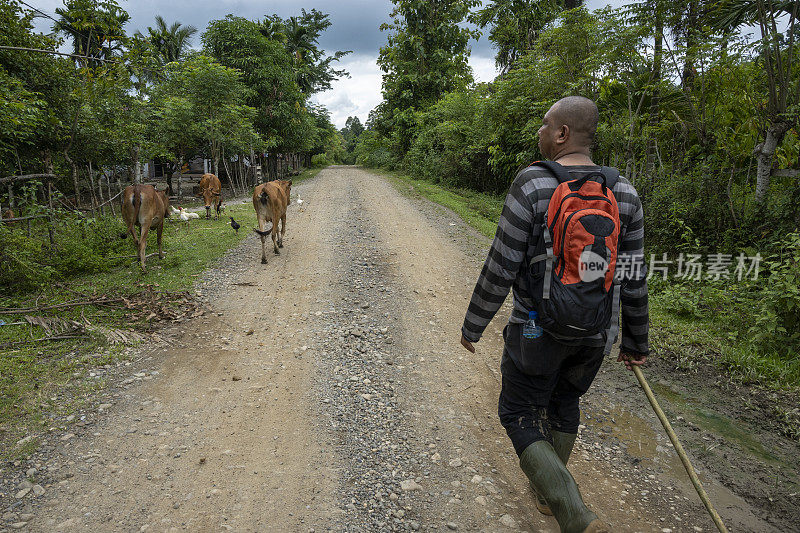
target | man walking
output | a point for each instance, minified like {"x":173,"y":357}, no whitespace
{"x":544,"y":377}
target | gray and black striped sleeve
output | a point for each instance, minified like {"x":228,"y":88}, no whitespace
{"x":505,"y":257}
{"x":633,"y":296}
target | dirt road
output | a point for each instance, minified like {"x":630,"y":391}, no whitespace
{"x":327,"y":390}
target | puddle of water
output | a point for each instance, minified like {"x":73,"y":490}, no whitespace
{"x":639,"y":438}
{"x":652,"y":446}
{"x":716,"y":423}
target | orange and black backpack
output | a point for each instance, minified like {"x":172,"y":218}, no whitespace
{"x":572,"y":277}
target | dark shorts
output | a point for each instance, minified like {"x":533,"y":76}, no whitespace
{"x":543,"y":380}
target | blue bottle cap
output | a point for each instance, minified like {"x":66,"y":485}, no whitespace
{"x":533,"y":315}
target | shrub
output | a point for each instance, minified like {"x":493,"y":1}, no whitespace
{"x":82,"y":246}
{"x":20,"y":261}
{"x":777,"y":321}
{"x":374,"y":150}
{"x":319,"y":160}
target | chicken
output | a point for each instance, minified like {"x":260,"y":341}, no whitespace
{"x":187,"y":214}
{"x":235,"y":225}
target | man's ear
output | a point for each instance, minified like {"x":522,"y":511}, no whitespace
{"x":563,"y":134}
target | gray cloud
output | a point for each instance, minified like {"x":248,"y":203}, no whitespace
{"x":355,"y":22}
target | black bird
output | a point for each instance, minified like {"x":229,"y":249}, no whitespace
{"x":235,"y":225}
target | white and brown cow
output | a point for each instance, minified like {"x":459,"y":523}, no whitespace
{"x":270,"y":201}
{"x":146,"y":207}
{"x":211,"y":193}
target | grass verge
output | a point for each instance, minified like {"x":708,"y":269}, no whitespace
{"x":306,"y":174}
{"x":479,"y":210}
{"x":706,"y":323}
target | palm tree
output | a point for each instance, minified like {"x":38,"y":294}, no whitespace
{"x":300,"y":38}
{"x":272,"y":28}
{"x":301,"y":43}
{"x":168,"y":42}
{"x":96,"y":31}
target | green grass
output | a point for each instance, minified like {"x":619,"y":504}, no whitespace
{"x":306,"y":174}
{"x":189,"y":249}
{"x":703,"y":323}
{"x":479,"y":210}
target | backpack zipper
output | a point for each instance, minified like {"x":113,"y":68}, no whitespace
{"x":572,"y":195}
{"x":563,"y":236}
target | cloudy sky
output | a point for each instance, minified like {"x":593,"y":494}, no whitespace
{"x":355,"y":27}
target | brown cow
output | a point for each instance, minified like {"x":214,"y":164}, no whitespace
{"x":211,"y":192}
{"x":270,"y":200}
{"x":146,"y":207}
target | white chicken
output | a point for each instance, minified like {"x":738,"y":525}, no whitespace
{"x":184,"y":216}
{"x":187,"y":214}
{"x":174,"y":211}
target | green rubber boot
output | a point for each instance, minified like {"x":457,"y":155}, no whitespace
{"x":541,"y":503}
{"x":562,"y":444}
{"x":551,"y":480}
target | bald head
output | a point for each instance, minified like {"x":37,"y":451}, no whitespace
{"x":579,"y":114}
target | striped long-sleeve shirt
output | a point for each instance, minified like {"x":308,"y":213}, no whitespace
{"x":513,"y":248}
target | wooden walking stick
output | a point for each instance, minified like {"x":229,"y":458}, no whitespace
{"x":679,"y":449}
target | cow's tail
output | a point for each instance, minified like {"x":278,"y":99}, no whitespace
{"x":136,"y":202}
{"x":263,"y":233}
{"x":263,"y":197}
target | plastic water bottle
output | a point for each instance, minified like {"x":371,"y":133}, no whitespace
{"x":532,"y":330}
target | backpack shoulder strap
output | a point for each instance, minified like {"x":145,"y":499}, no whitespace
{"x":560,"y":172}
{"x":612,"y":176}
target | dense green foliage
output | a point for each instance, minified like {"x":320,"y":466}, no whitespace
{"x":425,"y":57}
{"x":84,"y":247}
{"x":122,"y":100}
{"x":694,"y":111}
{"x":350,"y":135}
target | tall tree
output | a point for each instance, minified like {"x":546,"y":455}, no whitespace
{"x":95,"y":27}
{"x":425,"y":57}
{"x":517,"y":24}
{"x":169,"y":43}
{"x":36,"y":100}
{"x":350,"y":133}
{"x":267,"y":72}
{"x":778,"y":57}
{"x":201,"y":102}
{"x":300,"y":35}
